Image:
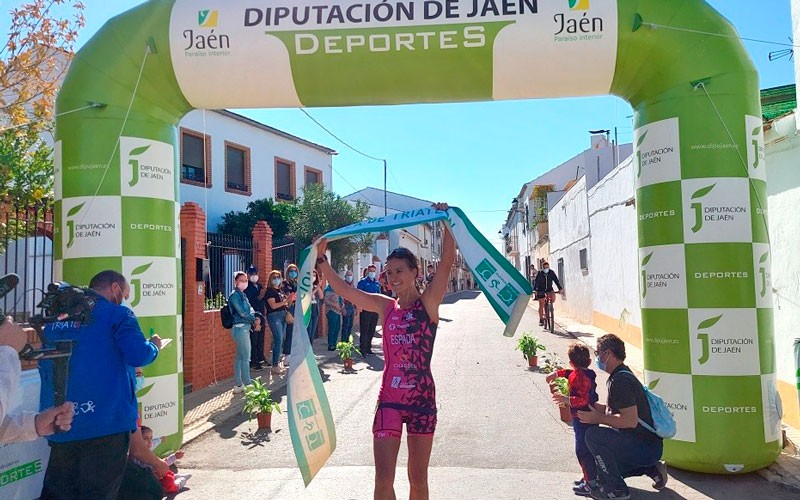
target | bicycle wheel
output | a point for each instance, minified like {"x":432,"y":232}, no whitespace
{"x":551,"y":323}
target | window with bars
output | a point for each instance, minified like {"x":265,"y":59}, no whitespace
{"x":237,"y":168}
{"x":284,"y":180}
{"x":313,"y":176}
{"x":194,"y":152}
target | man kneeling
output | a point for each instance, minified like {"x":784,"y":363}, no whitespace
{"x":624,"y":448}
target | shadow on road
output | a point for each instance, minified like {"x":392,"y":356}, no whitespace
{"x":465,"y":295}
{"x":257,"y":438}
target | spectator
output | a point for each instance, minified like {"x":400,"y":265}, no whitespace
{"x":316,"y":296}
{"x":368,"y":320}
{"x":26,"y":426}
{"x":289,"y":287}
{"x":543,"y":288}
{"x":89,"y":460}
{"x":429,"y":275}
{"x":243,"y":317}
{"x":143,"y":472}
{"x":277,"y":305}
{"x":582,"y":394}
{"x":256,"y":329}
{"x":334,"y":306}
{"x":623,"y":448}
{"x":170,"y":481}
{"x":349,"y":311}
{"x":255,"y":295}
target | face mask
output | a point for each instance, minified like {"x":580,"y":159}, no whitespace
{"x":156,"y":442}
{"x":348,"y":278}
{"x":293,"y":274}
{"x":599,"y":363}
{"x":546,"y":270}
{"x":139,"y":382}
{"x":276,"y":282}
{"x":241,"y":286}
{"x":371,"y":275}
{"x":254,"y":278}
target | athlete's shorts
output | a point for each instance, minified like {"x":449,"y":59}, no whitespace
{"x":390,"y":417}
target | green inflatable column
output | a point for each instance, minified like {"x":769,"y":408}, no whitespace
{"x":116,"y":190}
{"x":704,"y":254}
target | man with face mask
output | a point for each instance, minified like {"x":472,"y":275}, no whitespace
{"x":88,"y":461}
{"x":543,"y":287}
{"x":349,"y":311}
{"x":368,"y":320}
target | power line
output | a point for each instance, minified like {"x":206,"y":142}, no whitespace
{"x":326,"y":129}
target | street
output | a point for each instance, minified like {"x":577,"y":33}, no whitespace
{"x":498,"y":437}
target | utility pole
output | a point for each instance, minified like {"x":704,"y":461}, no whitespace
{"x":385,"y":207}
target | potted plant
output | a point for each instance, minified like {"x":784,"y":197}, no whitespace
{"x":552,"y":363}
{"x":346,"y":350}
{"x":561,"y":386}
{"x":529,"y":347}
{"x":258,"y":401}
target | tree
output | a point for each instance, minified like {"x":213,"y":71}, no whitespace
{"x":321,"y":211}
{"x":26,"y":167}
{"x":35,"y":58}
{"x":277,"y":215}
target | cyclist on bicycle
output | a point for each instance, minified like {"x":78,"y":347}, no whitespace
{"x":543,"y":288}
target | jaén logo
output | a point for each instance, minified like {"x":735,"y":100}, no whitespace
{"x":578,"y":4}
{"x":209,"y":18}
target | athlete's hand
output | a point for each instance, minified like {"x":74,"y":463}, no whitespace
{"x":322,"y":246}
{"x":442,"y":207}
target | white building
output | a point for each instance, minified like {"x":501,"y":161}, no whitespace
{"x":228,"y":160}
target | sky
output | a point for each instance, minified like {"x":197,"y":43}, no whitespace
{"x":477,"y":156}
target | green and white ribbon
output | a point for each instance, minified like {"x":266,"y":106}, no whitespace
{"x":310,"y":419}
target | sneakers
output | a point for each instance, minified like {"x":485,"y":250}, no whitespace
{"x":600,"y":494}
{"x":238,"y":389}
{"x":276,"y":370}
{"x":541,"y":321}
{"x":659,"y":475}
{"x":180,"y":480}
{"x":584,"y":489}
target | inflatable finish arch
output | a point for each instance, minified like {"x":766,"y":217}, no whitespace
{"x":701,"y":184}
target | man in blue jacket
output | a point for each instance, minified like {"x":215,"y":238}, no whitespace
{"x":368,"y":320}
{"x":89,"y":460}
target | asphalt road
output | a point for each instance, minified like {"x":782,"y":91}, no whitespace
{"x":498,"y":437}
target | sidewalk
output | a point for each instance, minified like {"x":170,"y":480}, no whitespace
{"x":786,"y":469}
{"x":205,"y":408}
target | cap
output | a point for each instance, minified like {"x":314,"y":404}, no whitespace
{"x":252,"y":270}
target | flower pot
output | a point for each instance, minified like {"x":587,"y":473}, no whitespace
{"x":264,"y":420}
{"x":348,"y":364}
{"x":533,"y":361}
{"x":566,"y":416}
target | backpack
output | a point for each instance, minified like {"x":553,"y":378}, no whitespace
{"x":226,"y":316}
{"x":663,"y":423}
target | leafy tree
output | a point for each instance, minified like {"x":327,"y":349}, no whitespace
{"x":26,"y":167}
{"x":277,"y":215}
{"x":35,"y":57}
{"x":321,"y":211}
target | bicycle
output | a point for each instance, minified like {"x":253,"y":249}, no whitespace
{"x":549,"y":315}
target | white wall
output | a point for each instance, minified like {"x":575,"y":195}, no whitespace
{"x":264,"y":147}
{"x":614,"y":246}
{"x":569,"y":233}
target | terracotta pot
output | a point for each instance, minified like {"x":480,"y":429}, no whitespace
{"x":264,"y":420}
{"x":533,"y":361}
{"x":348,"y":364}
{"x":566,"y":416}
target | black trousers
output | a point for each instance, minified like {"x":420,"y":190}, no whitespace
{"x":287,"y":343}
{"x":140,"y":484}
{"x":368,"y":321}
{"x":92,"y":468}
{"x":257,"y":346}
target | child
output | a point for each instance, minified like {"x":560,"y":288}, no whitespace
{"x":582,"y":393}
{"x":171,"y":482}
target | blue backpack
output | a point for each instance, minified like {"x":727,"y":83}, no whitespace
{"x":663,"y":423}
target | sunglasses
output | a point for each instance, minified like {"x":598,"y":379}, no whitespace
{"x":598,"y":352}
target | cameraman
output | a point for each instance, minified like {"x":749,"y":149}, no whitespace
{"x":27,"y":426}
{"x":89,"y":460}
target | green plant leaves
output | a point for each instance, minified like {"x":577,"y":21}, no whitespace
{"x":709,"y":322}
{"x":647,"y":259}
{"x":144,"y":390}
{"x":641,"y":138}
{"x":702,"y":192}
{"x":74,"y":210}
{"x":138,"y":151}
{"x":141,"y":269}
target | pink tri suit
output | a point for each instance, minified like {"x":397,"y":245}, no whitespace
{"x":408,"y":393}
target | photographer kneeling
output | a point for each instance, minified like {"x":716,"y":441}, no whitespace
{"x":26,"y":426}
{"x":89,"y":460}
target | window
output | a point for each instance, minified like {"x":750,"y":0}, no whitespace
{"x":561,"y":276}
{"x":284,"y":180}
{"x":584,"y":260}
{"x":237,"y":168}
{"x":313,"y":176}
{"x":195,"y":158}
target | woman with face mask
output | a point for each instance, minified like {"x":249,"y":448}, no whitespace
{"x":277,"y":305}
{"x":316,"y":296}
{"x":289,"y":286}
{"x":349,"y":311}
{"x":243,"y":317}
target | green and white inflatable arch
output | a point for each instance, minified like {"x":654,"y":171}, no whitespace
{"x":701,"y":185}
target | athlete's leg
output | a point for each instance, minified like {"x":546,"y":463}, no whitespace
{"x":385,"y":450}
{"x":419,"y":457}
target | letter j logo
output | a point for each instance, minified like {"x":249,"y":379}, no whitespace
{"x":698,"y":207}
{"x":207,"y":18}
{"x":703,"y":337}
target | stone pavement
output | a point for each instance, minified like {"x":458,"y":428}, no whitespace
{"x":785,"y":471}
